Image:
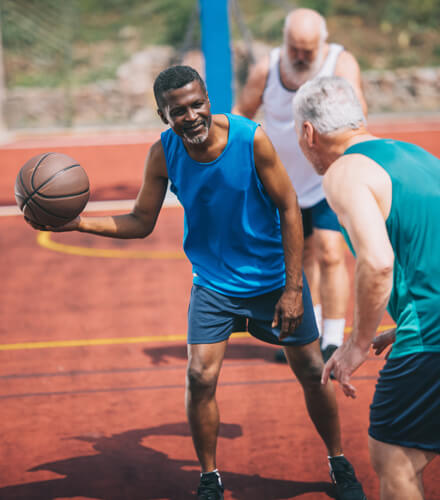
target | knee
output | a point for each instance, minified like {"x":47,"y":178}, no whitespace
{"x":331,"y":254}
{"x":392,"y":467}
{"x":201,"y":381}
{"x":309,"y":373}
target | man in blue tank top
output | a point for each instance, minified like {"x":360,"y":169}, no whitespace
{"x":243,"y":236}
{"x":387,"y":197}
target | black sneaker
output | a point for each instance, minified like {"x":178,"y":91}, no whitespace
{"x":344,"y":479}
{"x":210,"y":487}
{"x":327,"y":353}
{"x":280,"y":356}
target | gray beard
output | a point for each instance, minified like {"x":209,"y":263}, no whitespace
{"x":198,"y":139}
{"x":294,"y":77}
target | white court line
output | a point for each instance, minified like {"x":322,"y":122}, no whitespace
{"x":98,"y":206}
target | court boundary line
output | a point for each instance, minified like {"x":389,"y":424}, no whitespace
{"x":149,"y":339}
{"x":236,"y":383}
{"x":45,"y":241}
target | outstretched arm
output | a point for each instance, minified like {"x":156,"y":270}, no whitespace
{"x":350,"y":189}
{"x":289,"y":310}
{"x":141,"y":220}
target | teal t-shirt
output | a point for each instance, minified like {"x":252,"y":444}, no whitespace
{"x":413,"y":227}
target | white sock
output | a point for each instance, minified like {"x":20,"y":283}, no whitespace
{"x":210,"y":472}
{"x":317,"y":309}
{"x":333,"y":332}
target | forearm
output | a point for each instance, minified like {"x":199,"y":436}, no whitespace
{"x":124,"y":226}
{"x":293,"y":244}
{"x":372,"y":291}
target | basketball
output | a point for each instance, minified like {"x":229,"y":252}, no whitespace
{"x":51,"y":189}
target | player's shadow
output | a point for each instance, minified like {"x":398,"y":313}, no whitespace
{"x":123,"y":468}
{"x":234,"y":351}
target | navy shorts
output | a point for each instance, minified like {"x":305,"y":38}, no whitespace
{"x":212,"y":317}
{"x":406,"y":405}
{"x":320,"y":216}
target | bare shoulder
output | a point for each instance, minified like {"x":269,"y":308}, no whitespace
{"x":221,"y":121}
{"x":351,"y":173}
{"x":155,"y":163}
{"x":346,"y":62}
{"x":262,"y":143}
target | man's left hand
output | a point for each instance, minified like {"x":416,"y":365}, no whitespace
{"x":345,"y":360}
{"x":289,"y":312}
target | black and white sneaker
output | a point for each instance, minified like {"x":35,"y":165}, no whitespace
{"x":210,"y":487}
{"x":344,"y":479}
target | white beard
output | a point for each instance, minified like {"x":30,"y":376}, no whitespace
{"x":295,"y":77}
{"x":198,"y":139}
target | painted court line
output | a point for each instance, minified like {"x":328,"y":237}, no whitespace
{"x":291,"y":380}
{"x":44,"y":240}
{"x":121,"y":340}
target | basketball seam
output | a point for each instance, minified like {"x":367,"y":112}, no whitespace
{"x":44,"y":210}
{"x":29,"y":196}
{"x":40,"y":161}
{"x":58,"y":197}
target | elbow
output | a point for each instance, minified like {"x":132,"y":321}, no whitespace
{"x":382,"y":265}
{"x":143,"y":226}
{"x":144,"y":231}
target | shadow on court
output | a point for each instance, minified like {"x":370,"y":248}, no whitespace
{"x":255,"y":351}
{"x":125,"y":469}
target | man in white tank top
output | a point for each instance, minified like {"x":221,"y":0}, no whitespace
{"x":272,"y":83}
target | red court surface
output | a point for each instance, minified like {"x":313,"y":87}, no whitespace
{"x":92,"y":360}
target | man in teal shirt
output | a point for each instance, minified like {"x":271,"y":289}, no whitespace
{"x":387,"y":197}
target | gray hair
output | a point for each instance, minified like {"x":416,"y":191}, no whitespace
{"x":329,"y":103}
{"x":322,"y":28}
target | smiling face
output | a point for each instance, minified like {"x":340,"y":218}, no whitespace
{"x":188,"y":112}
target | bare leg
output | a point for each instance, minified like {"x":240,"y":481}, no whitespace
{"x":400,"y":470}
{"x":334,"y":280}
{"x":307,"y":364}
{"x":311,"y":269}
{"x":204,"y":363}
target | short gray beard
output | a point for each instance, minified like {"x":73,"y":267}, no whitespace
{"x":295,"y":77}
{"x":198,"y":139}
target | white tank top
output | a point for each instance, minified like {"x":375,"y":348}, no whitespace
{"x":279,"y":123}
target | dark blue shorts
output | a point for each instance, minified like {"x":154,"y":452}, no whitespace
{"x":406,"y":405}
{"x":212,"y":317}
{"x":320,"y":216}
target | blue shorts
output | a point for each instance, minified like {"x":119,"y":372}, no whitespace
{"x":320,"y":216}
{"x":212,"y":317}
{"x":406,"y":405}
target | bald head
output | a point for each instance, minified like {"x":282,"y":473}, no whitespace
{"x":305,"y":25}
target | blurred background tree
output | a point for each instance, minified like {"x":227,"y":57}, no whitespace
{"x":46,"y":40}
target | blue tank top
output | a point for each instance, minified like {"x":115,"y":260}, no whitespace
{"x":413,"y":227}
{"x":232,"y":233}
